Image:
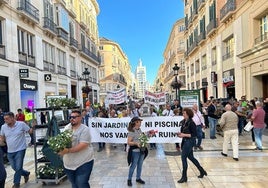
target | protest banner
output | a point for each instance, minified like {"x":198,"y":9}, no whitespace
{"x":114,"y":130}
{"x":155,"y":99}
{"x":116,"y":97}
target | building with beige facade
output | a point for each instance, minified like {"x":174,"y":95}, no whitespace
{"x":226,"y":51}
{"x":173,"y":54}
{"x":114,"y":70}
{"x":44,"y":48}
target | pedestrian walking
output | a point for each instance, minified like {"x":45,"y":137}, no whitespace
{"x":79,"y":159}
{"x":228,"y":123}
{"x":188,"y":135}
{"x":13,"y":133}
{"x":258,"y":124}
{"x":200,"y":124}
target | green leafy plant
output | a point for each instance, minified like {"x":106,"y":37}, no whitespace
{"x":48,"y":172}
{"x":145,"y":137}
{"x":61,"y":141}
{"x":61,"y":102}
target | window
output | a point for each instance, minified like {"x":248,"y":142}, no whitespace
{"x":181,"y":28}
{"x":26,"y":47}
{"x":48,"y":57}
{"x":228,"y":48}
{"x":72,"y":66}
{"x":213,"y":56}
{"x":48,"y":10}
{"x":192,"y":69}
{"x":61,"y":56}
{"x":204,"y":62}
{"x":197,"y":65}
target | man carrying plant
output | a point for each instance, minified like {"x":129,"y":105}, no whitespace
{"x":79,"y":158}
{"x":13,"y":133}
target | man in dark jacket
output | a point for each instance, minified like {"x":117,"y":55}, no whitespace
{"x":212,"y":118}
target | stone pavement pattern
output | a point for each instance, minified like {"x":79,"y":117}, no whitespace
{"x":162,"y":171}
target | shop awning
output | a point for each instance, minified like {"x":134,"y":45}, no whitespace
{"x":227,"y":84}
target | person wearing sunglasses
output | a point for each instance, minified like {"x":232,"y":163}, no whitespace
{"x":79,"y":159}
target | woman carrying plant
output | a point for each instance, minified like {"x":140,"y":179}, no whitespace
{"x":188,"y":135}
{"x":79,"y":158}
{"x":136,"y":154}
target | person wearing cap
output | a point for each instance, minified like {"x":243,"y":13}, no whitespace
{"x":135,"y":155}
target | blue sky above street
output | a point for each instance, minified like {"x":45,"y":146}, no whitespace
{"x":140,"y":27}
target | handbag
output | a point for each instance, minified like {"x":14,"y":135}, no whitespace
{"x":248,"y":126}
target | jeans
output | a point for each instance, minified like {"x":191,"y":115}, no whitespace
{"x":16,"y":161}
{"x":199,"y":135}
{"x":187,"y":152}
{"x":241,"y":123}
{"x":258,"y":136}
{"x":79,"y":178}
{"x":137,"y":161}
{"x":212,"y":126}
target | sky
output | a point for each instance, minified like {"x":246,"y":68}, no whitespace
{"x":141,"y":28}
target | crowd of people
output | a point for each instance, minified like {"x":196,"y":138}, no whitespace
{"x":230,"y":117}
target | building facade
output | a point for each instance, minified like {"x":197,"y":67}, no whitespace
{"x":173,"y":54}
{"x":44,"y":48}
{"x":225,"y":47}
{"x":114,"y":70}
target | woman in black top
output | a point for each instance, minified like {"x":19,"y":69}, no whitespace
{"x":188,"y":135}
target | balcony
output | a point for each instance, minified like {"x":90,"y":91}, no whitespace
{"x":73,"y":44}
{"x":88,"y":54}
{"x":227,"y":10}
{"x":192,"y":47}
{"x":73,"y":73}
{"x":201,"y":37}
{"x":83,"y":24}
{"x":62,"y":35}
{"x":262,"y":38}
{"x":26,"y":59}
{"x":49,"y":66}
{"x":50,"y":27}
{"x":211,"y":27}
{"x":200,"y":4}
{"x":228,"y":55}
{"x":61,"y":70}
{"x":23,"y":58}
{"x":71,"y":9}
{"x":31,"y":60}
{"x":2,"y":51}
{"x":28,"y":11}
{"x":194,"y":14}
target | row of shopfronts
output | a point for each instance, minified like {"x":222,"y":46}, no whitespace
{"x":31,"y":96}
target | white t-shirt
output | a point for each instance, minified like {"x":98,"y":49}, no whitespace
{"x":74,"y":160}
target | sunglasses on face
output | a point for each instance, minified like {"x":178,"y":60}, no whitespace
{"x":73,"y":117}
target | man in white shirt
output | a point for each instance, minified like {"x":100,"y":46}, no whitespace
{"x":168,"y":111}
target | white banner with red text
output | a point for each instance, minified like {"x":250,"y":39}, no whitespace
{"x":114,"y":130}
{"x":155,"y":99}
{"x":116,"y":97}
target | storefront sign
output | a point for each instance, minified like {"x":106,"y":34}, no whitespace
{"x":228,"y":79}
{"x":24,"y":73}
{"x":28,"y":85}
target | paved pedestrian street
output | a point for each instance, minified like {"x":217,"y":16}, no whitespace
{"x":162,"y":168}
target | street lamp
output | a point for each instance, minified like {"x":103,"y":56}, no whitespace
{"x":176,"y":84}
{"x":85,"y":75}
{"x":85,"y":89}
